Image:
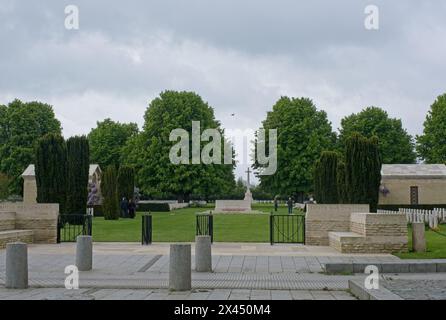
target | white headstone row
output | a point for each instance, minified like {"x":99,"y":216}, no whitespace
{"x":431,"y":217}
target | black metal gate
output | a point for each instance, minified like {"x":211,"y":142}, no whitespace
{"x":69,"y":226}
{"x":205,"y":225}
{"x":287,"y":228}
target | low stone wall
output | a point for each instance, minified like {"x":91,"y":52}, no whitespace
{"x":228,"y":206}
{"x":7,"y":221}
{"x":176,"y":206}
{"x":40,"y":218}
{"x":375,"y":224}
{"x":6,"y":237}
{"x":372,"y":233}
{"x":324,"y":218}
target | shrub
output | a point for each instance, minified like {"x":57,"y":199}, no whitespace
{"x":325,"y":178}
{"x":126,"y":182}
{"x":51,"y":170}
{"x":153,"y":207}
{"x":78,"y":156}
{"x":340,"y":177}
{"x":110,"y":204}
{"x":4,"y":186}
{"x":363,"y":170}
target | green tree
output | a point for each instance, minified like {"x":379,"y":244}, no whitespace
{"x":342,"y":188}
{"x":431,"y":145}
{"x":78,"y":156}
{"x":4,"y":186}
{"x":148,"y":152}
{"x":395,"y":143}
{"x":107,"y":141}
{"x":325,"y":178}
{"x":303,"y":133}
{"x":126,"y":182}
{"x":51,"y":170}
{"x":363,"y":170}
{"x":110,"y":202}
{"x":21,"y":125}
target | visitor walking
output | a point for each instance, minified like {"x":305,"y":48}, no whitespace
{"x":124,"y":208}
{"x":290,"y":205}
{"x":132,"y":209}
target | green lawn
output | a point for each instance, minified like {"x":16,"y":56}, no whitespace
{"x":436,"y":246}
{"x":179,"y":226}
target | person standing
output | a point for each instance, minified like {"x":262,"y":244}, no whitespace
{"x":276,"y":203}
{"x":124,"y":208}
{"x":290,"y":205}
{"x":132,"y":209}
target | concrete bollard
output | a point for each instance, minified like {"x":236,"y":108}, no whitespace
{"x":203,"y":254}
{"x":180,"y":273}
{"x":84,"y":253}
{"x":418,"y":237}
{"x":16,"y":265}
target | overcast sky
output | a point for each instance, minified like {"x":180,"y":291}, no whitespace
{"x":239,"y":55}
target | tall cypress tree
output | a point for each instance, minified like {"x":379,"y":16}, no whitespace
{"x":326,"y":189}
{"x":342,"y":192}
{"x":78,"y":171}
{"x":126,"y":182}
{"x":363,"y":170}
{"x":51,"y":170}
{"x":110,"y":203}
{"x":374,"y":173}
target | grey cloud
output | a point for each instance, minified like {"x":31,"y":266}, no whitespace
{"x":239,"y":55}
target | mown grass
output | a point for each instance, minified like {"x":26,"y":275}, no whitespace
{"x":179,"y":226}
{"x":435,"y":242}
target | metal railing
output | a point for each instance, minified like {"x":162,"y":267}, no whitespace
{"x":69,"y":226}
{"x":205,"y":225}
{"x":287,"y":228}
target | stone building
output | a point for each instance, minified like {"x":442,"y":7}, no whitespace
{"x":30,"y":186}
{"x":413,"y":184}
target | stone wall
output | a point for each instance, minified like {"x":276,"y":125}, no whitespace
{"x":227,"y":206}
{"x":7,"y":221}
{"x":323,"y":218}
{"x":372,"y":233}
{"x":40,"y":218}
{"x":430,"y":191}
{"x":375,"y":224}
{"x":6,"y":237}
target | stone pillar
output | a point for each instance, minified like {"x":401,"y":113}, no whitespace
{"x":16,"y":265}
{"x":418,"y":237}
{"x":203,"y":254}
{"x":84,"y":253}
{"x":180,"y":273}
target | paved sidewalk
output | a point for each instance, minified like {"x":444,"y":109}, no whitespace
{"x":232,"y":258}
{"x":159,"y":294}
{"x":241,"y":271}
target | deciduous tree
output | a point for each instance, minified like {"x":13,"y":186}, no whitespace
{"x":431,"y":145}
{"x":395,"y":143}
{"x":21,"y":125}
{"x":303,"y":133}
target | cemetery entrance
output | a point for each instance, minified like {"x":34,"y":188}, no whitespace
{"x":288,"y":228}
{"x":69,"y":226}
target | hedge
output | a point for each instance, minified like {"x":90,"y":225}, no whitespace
{"x":154,"y":207}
